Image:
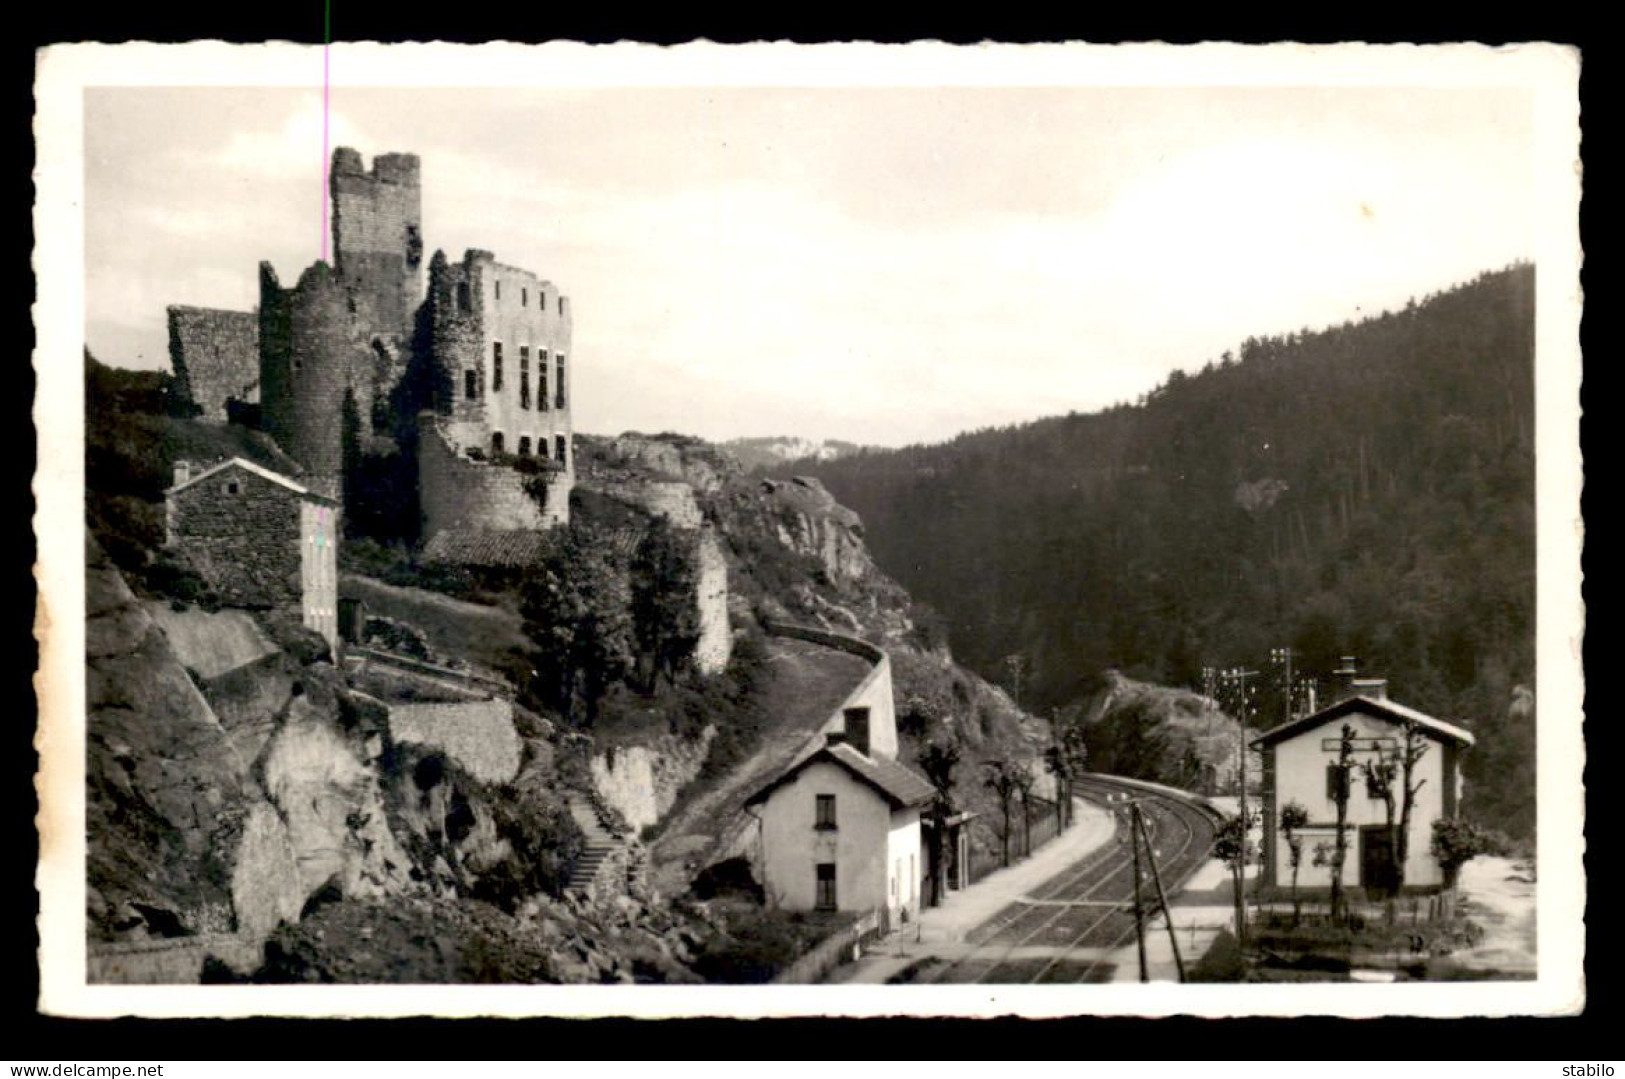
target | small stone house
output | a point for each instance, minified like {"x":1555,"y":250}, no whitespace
{"x":840,"y":829}
{"x":258,"y":538}
{"x":1299,"y":766}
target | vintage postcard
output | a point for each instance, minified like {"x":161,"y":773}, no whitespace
{"x":809,"y":530}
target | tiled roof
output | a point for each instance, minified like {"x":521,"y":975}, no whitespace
{"x":1398,"y":712}
{"x":515,"y":548}
{"x":896,"y":784}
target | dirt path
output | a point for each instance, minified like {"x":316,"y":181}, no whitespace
{"x":809,"y":682}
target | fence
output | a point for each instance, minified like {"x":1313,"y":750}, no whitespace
{"x":830,"y":952}
{"x":1045,"y":818}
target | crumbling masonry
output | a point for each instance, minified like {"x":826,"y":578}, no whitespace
{"x":351,"y":365}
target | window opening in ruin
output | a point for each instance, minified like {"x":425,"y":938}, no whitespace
{"x":559,"y":445}
{"x":524,"y":378}
{"x":464,"y":301}
{"x":496,"y":365}
{"x":558,"y":381}
{"x":524,"y":445}
{"x":471,"y":384}
{"x":541,"y":379}
{"x":498,"y":286}
{"x":496,"y":442}
{"x":524,"y":297}
{"x":541,"y":300}
{"x":233,"y":487}
{"x":414,"y":246}
{"x":826,"y":886}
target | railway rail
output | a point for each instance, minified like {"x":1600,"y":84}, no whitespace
{"x":1068,"y":929}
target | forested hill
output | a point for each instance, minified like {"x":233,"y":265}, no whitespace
{"x":1366,"y":489}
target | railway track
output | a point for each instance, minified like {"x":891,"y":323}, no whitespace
{"x":1067,"y":929}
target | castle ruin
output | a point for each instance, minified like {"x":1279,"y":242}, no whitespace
{"x":356,"y":373}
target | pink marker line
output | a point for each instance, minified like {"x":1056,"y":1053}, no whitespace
{"x":327,"y":46}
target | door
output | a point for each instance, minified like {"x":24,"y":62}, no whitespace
{"x":1377,"y":868}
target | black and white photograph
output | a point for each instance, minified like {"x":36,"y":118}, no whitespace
{"x":788,"y":530}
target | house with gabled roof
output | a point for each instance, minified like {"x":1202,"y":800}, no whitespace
{"x":839,"y":828}
{"x":259,"y":539}
{"x":1300,"y":766}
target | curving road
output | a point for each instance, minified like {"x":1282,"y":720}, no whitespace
{"x":1068,"y":929}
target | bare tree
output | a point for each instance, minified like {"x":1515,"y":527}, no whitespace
{"x":1066,"y":758}
{"x":1415,"y":747}
{"x":1293,"y":819}
{"x":1001,"y":780}
{"x":1024,"y":787}
{"x":938,"y":761}
{"x":1339,"y":775}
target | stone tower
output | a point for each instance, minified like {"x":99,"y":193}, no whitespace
{"x":334,"y":348}
{"x":378,"y":237}
{"x":314,"y":368}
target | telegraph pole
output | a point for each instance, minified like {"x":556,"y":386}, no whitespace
{"x":1237,"y":678}
{"x":1210,"y":690}
{"x":1162,"y":897}
{"x":1139,"y":911}
{"x":1282,"y":657}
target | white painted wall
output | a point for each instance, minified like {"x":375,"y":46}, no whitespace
{"x":904,"y":860}
{"x":1300,"y":776}
{"x":858,"y":845}
{"x":874,"y":693}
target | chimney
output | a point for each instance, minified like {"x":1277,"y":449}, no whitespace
{"x":834,"y":738}
{"x":1374,"y":688}
{"x":857,"y":729}
{"x":183,"y":472}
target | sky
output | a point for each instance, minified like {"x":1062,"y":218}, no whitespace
{"x":885,"y":265}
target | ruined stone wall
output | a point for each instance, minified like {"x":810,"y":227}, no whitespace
{"x":378,"y":236}
{"x":478,"y":735}
{"x":316,"y":388}
{"x":244,"y":543}
{"x":499,"y":334}
{"x":216,"y":357}
{"x":458,"y":492}
{"x":456,"y":318}
{"x":715,"y":646}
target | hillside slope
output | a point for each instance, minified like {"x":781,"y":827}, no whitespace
{"x":1364,"y":489}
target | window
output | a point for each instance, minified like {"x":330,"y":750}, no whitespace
{"x":825,"y":820}
{"x":524,"y":377}
{"x":1337,"y":782}
{"x":826,"y":886}
{"x":464,"y":302}
{"x":524,"y":297}
{"x":559,"y":445}
{"x":524,"y":445}
{"x":496,"y":365}
{"x":233,"y":487}
{"x":558,"y":381}
{"x":498,"y":286}
{"x":541,"y":379}
{"x":541,"y":300}
{"x":471,"y":384}
{"x":497,"y":443}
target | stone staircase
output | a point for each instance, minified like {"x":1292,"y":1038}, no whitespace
{"x":602,"y":843}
